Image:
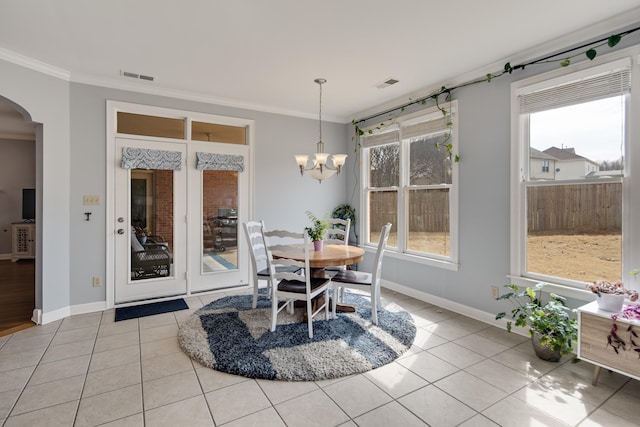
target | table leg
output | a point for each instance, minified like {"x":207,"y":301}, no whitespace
{"x":596,"y":375}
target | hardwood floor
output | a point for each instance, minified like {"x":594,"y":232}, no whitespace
{"x":17,"y":295}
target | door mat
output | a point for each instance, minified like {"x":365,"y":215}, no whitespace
{"x":135,"y":311}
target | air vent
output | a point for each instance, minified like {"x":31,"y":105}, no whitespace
{"x":137,"y":76}
{"x":388,"y":82}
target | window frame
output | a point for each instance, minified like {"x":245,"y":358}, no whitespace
{"x":520,"y":171}
{"x":401,"y":251}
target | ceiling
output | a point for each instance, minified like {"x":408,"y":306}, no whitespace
{"x":264,"y":55}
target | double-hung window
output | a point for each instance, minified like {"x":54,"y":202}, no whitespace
{"x":568,"y":226}
{"x":410,"y":181}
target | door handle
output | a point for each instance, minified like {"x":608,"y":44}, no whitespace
{"x":120,"y":230}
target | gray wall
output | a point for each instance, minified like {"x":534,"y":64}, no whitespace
{"x":44,"y":100}
{"x":484,"y":198}
{"x":280,"y":195}
{"x":17,"y":171}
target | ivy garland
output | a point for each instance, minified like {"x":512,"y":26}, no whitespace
{"x":435,"y":97}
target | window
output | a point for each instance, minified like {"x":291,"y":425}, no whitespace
{"x":409,"y":180}
{"x":545,"y":166}
{"x":569,"y":225}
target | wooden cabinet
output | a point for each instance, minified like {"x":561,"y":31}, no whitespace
{"x":594,"y":327}
{"x":23,"y":241}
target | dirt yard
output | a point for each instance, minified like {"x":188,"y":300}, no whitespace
{"x":579,"y":257}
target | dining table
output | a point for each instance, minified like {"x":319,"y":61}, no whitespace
{"x":331,"y":255}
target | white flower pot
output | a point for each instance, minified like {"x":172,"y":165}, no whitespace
{"x":610,"y":302}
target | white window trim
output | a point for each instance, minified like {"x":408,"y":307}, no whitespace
{"x":433,"y":260}
{"x":519,"y":168}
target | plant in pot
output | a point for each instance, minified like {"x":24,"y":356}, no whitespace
{"x":317,"y":230}
{"x":611,"y":295}
{"x":552,"y":327}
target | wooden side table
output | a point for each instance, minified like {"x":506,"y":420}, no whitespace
{"x":594,"y":327}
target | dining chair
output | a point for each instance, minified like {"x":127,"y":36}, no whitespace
{"x":253,"y":232}
{"x":369,"y":282}
{"x":258,"y":252}
{"x":290,"y":286}
{"x":337,"y":234}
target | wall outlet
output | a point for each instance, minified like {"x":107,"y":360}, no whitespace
{"x":90,"y":200}
{"x":495,"y":292}
{"x":96,"y":281}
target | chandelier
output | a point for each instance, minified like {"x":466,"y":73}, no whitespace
{"x":320,"y":168}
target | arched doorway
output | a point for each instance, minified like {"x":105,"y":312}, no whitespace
{"x":17,"y":219}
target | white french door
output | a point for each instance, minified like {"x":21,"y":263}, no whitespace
{"x":218,"y":204}
{"x":191,"y":219}
{"x":150,"y":222}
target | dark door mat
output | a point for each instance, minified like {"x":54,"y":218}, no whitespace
{"x":135,"y":311}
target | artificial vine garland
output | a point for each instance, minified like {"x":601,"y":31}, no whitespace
{"x":560,"y":57}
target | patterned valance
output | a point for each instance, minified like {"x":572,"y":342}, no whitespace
{"x":220,"y":162}
{"x":140,"y":158}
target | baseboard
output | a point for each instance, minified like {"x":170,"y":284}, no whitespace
{"x":474,"y":313}
{"x":61,"y":313}
{"x":5,"y":256}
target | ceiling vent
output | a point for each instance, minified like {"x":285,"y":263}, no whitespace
{"x":137,"y":76}
{"x":386,"y":83}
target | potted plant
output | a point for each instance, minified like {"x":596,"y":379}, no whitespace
{"x":552,"y":327}
{"x":317,"y":230}
{"x":611,"y":295}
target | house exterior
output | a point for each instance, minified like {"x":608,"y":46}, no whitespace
{"x":570,"y":165}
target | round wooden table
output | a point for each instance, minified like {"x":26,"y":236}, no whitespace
{"x":329,"y":256}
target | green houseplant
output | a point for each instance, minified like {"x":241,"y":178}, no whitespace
{"x":552,"y":327}
{"x":317,"y":230}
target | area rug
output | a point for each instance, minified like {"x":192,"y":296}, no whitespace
{"x":229,"y":336}
{"x":142,"y":310}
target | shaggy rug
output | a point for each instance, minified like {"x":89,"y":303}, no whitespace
{"x":229,"y":336}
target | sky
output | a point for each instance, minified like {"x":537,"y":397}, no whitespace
{"x":595,"y":129}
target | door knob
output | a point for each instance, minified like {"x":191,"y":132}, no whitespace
{"x":120,"y":231}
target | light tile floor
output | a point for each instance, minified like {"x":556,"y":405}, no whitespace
{"x":87,"y":370}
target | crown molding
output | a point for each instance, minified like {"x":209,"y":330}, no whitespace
{"x":152,"y":88}
{"x":34,"y":64}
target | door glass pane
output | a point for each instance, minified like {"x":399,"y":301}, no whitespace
{"x":139,"y":124}
{"x":212,"y":132}
{"x":220,"y":220}
{"x":429,"y":221}
{"x":152,"y":223}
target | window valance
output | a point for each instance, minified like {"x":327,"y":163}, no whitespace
{"x":140,"y":158}
{"x":220,"y":162}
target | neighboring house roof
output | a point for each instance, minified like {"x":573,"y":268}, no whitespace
{"x":537,"y":154}
{"x":566,"y":154}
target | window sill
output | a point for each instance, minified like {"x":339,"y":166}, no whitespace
{"x":431,"y":262}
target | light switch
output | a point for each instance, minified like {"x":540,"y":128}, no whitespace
{"x":90,"y":200}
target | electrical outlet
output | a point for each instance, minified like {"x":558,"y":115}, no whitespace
{"x":96,"y":281}
{"x":90,"y":200}
{"x":495,"y":292}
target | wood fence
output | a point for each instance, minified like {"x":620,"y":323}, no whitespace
{"x":580,"y":207}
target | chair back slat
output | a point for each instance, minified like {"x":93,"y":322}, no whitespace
{"x":377,"y":263}
{"x":338,"y":231}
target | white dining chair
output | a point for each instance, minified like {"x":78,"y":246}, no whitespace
{"x":294,"y":286}
{"x":337,"y":234}
{"x":258,"y":252}
{"x":368,"y":282}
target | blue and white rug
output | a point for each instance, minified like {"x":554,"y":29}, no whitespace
{"x":229,"y":336}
